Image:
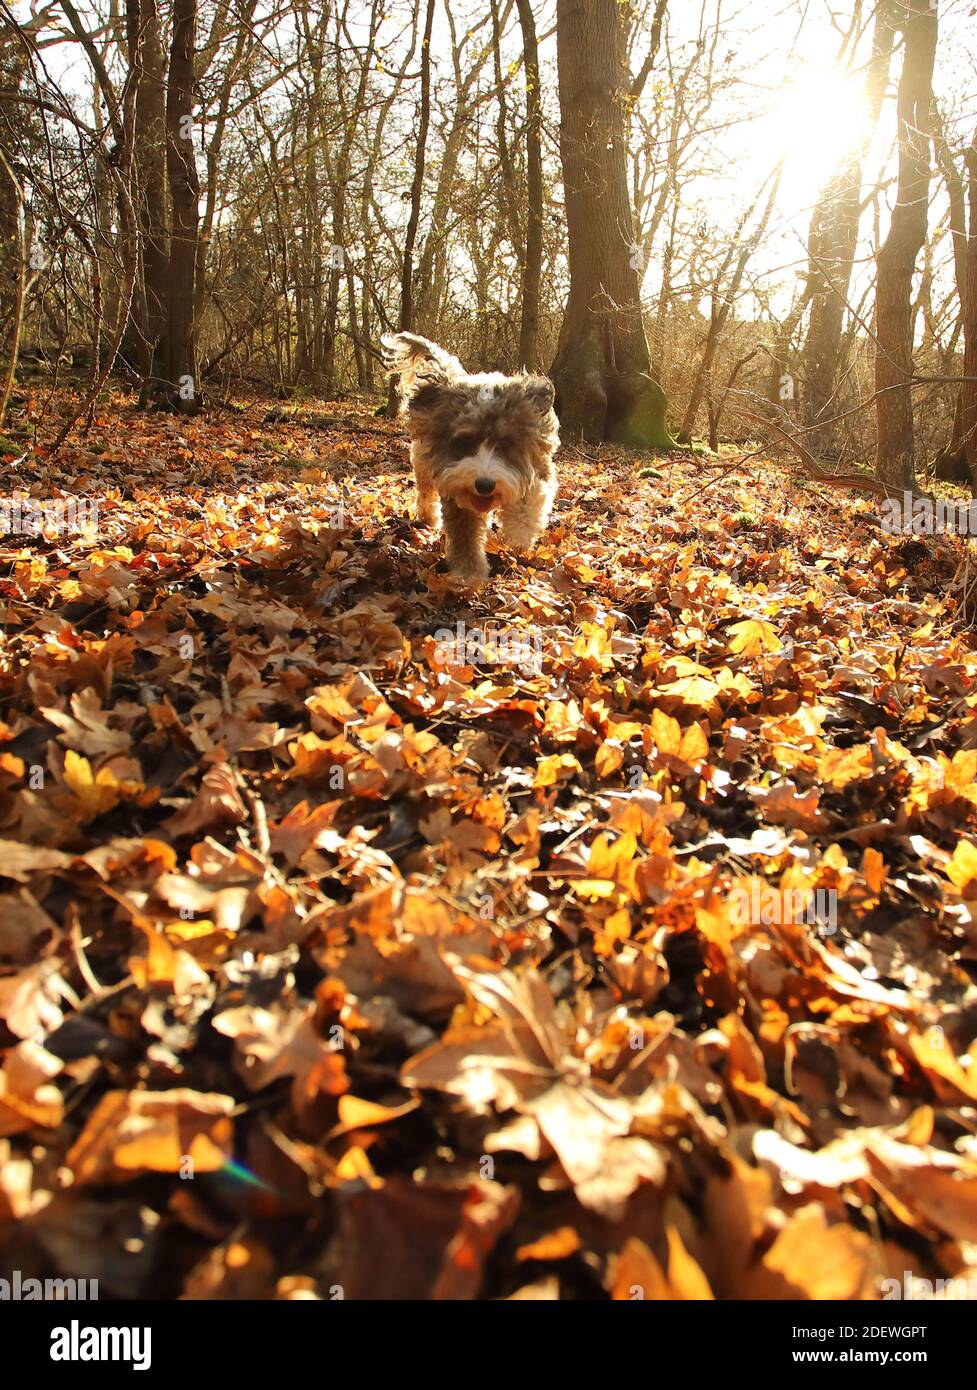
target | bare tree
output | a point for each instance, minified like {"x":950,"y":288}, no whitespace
{"x":15,"y":251}
{"x":406,"y":318}
{"x":898,"y":255}
{"x":601,"y":371}
{"x":180,"y":368}
{"x":147,"y":331}
{"x":724,"y":293}
{"x":968,"y":391}
{"x":833,"y":240}
{"x":532,"y":271}
{"x":417,"y":184}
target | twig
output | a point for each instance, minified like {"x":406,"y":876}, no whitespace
{"x":958,"y":525}
{"x":78,"y":950}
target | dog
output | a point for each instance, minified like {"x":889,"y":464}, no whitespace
{"x":480,"y":443}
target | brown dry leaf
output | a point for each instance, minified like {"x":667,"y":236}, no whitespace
{"x":19,"y":861}
{"x":558,"y":768}
{"x":301,"y":829}
{"x":23,"y":922}
{"x":812,"y":1259}
{"x":608,"y":759}
{"x":355,"y":1114}
{"x":736,"y":1205}
{"x":684,"y":1274}
{"x":134,"y":1132}
{"x":217,"y":803}
{"x":688,"y":746}
{"x":951,"y":1082}
{"x":941,"y":1188}
{"x":785,"y":805}
{"x":962,"y":868}
{"x":27,"y":1097}
{"x":280,"y":1042}
{"x":635,"y":1274}
{"x":94,"y":792}
{"x":191,"y":896}
{"x":754,"y":637}
{"x":522,"y":1063}
{"x":420,"y":1240}
{"x":86,"y":729}
{"x":697,"y":693}
{"x":30,"y":1000}
{"x":874,"y":870}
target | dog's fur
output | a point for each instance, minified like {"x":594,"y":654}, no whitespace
{"x":475,"y":428}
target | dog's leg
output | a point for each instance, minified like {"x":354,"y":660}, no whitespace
{"x":465,"y":536}
{"x":428,"y":501}
{"x":428,"y":506}
{"x":522,"y":524}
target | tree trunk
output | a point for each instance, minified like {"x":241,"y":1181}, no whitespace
{"x":833,"y":241}
{"x":533,"y":265}
{"x":417,"y":186}
{"x":215,"y":148}
{"x":15,"y":254}
{"x":603,"y":383}
{"x":968,"y":390}
{"x":897,"y":257}
{"x":181,"y":380}
{"x":14,"y":250}
{"x":950,"y":463}
{"x":406,"y":321}
{"x":432,"y":264}
{"x":147,"y":333}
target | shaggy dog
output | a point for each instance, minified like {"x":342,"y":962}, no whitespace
{"x":480,"y":443}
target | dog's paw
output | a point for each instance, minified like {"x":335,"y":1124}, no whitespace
{"x":469,"y":571}
{"x":521,"y":540}
{"x":521,"y":526}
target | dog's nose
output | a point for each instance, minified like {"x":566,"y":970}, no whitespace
{"x":484,"y":487}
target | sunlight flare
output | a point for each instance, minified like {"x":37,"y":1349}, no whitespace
{"x":818,"y":119}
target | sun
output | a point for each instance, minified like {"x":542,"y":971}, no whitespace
{"x":818,"y":119}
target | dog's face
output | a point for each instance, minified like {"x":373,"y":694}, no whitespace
{"x":486,"y":438}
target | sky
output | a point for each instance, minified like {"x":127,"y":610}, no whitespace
{"x":788,"y":100}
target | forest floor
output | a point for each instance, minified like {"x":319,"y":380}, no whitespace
{"x":627,"y":950}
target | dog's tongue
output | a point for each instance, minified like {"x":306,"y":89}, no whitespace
{"x":482,"y":504}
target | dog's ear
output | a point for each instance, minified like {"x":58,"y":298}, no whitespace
{"x":541,"y":391}
{"x":420,"y":365}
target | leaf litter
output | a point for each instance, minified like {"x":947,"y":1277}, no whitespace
{"x":338,"y":958}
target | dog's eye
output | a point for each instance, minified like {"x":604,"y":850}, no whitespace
{"x":463,"y":444}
